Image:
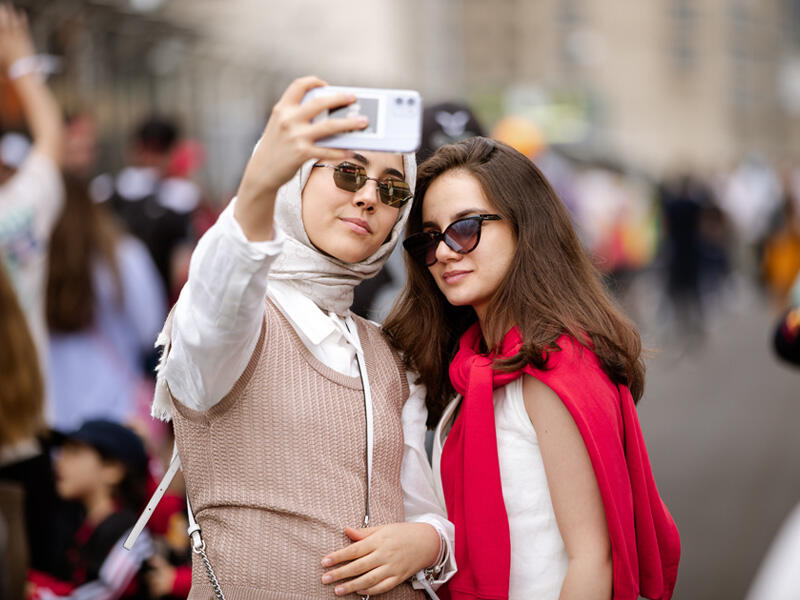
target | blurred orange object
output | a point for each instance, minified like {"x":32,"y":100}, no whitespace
{"x":521,"y":134}
{"x":11,"y":116}
{"x":781,"y":262}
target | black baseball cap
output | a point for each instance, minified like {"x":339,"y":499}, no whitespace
{"x":113,"y":441}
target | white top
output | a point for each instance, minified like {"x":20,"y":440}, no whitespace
{"x":538,"y":555}
{"x":778,"y":577}
{"x":30,"y":204}
{"x":216,"y":325}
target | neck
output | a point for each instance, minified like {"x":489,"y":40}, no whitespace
{"x":99,"y":505}
{"x":490,"y":338}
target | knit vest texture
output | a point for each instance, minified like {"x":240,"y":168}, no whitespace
{"x":277,"y":469}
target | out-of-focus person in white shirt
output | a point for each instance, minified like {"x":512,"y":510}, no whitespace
{"x":31,"y":190}
{"x":307,"y":225}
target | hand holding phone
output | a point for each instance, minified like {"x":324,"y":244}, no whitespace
{"x":395,"y":119}
{"x":288,"y":140}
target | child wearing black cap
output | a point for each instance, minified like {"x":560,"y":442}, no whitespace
{"x":103,"y":466}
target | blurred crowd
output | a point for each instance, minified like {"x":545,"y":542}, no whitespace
{"x":91,"y":263}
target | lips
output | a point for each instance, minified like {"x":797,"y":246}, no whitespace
{"x":454,"y":276}
{"x":358,"y":225}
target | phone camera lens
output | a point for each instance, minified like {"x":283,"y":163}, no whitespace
{"x":410,"y":101}
{"x":398,"y":101}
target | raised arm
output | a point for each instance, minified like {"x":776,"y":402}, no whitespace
{"x":17,"y":58}
{"x":217,"y":319}
{"x":574,"y":492}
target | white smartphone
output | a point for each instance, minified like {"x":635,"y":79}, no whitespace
{"x":395,"y":119}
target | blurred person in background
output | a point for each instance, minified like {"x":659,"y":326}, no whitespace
{"x":24,"y":452}
{"x":188,"y":158}
{"x":105,"y":306}
{"x":152,"y":205}
{"x":683,"y":199}
{"x":750,"y":195}
{"x":80,"y":146}
{"x":103,"y":466}
{"x":32,"y":197}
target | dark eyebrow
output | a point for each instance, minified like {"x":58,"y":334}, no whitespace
{"x":463,"y":213}
{"x":390,"y":171}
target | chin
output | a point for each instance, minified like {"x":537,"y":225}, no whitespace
{"x":459,"y":300}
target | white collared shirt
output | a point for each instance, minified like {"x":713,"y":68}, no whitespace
{"x":217,"y":323}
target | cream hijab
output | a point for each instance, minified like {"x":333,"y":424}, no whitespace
{"x":328,"y":281}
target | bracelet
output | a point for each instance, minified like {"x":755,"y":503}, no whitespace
{"x":432,"y":573}
{"x":41,"y":64}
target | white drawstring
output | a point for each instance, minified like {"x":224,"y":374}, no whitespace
{"x":350,"y":332}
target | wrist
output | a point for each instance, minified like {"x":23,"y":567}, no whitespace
{"x":40,"y":65}
{"x":440,"y":548}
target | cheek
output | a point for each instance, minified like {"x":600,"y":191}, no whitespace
{"x":387,"y":222}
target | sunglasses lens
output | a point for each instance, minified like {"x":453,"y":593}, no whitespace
{"x":421,"y":247}
{"x":394,"y":193}
{"x":349,"y":177}
{"x":462,"y":236}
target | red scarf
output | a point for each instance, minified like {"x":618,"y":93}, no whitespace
{"x":645,"y":545}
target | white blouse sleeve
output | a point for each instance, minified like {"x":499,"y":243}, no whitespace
{"x":419,"y":499}
{"x":217,"y":318}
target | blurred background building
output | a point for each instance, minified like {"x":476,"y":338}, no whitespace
{"x":664,"y":85}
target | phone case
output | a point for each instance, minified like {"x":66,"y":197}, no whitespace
{"x":395,"y":119}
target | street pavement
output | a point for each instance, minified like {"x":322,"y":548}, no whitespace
{"x":721,"y":417}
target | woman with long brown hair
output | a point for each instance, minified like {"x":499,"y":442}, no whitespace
{"x":24,"y":459}
{"x":21,"y":388}
{"x":544,"y":470}
{"x":105,"y":305}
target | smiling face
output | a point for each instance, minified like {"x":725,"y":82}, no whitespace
{"x":350,"y":226}
{"x":467,"y":279}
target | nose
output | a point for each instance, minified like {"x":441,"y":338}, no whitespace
{"x":445,"y":253}
{"x":367,"y":196}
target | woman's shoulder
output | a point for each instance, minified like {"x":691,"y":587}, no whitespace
{"x":575,"y":375}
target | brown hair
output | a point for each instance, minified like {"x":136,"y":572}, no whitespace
{"x":550,"y":289}
{"x":21,"y":386}
{"x":83,"y":234}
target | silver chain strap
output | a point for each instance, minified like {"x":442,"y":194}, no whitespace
{"x":212,"y":577}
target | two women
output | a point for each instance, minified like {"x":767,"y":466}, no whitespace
{"x":296,"y":425}
{"x":541,"y":459}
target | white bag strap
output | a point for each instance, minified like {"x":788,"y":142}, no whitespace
{"x":174,"y":465}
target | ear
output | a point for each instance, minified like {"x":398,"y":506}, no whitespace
{"x":112,"y":472}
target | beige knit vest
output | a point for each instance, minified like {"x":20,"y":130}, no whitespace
{"x":277,"y":469}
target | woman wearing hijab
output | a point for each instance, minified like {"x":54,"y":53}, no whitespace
{"x":296,"y":425}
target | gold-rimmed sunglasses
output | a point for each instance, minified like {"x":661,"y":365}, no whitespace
{"x":350,"y":177}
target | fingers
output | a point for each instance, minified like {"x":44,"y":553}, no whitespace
{"x":351,"y":552}
{"x":298,"y":88}
{"x":10,"y":18}
{"x":381,"y":587}
{"x":361,"y":533}
{"x":353,"y":569}
{"x":376,"y":578}
{"x":4,"y":17}
{"x":310,"y":108}
{"x":333,"y":126}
